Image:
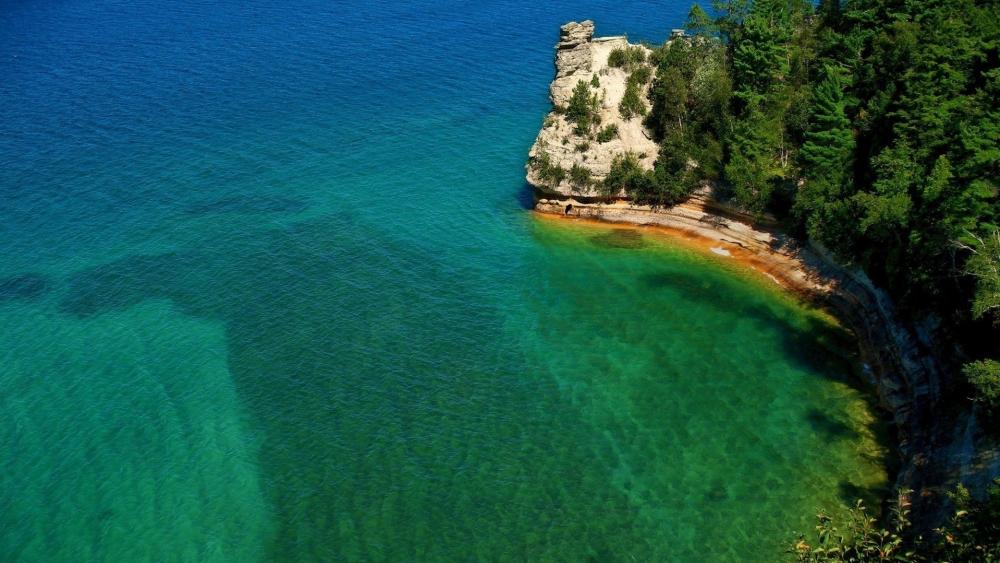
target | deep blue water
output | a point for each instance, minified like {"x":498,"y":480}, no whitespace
{"x":270,"y":290}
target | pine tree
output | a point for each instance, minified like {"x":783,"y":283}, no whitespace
{"x":759,"y":51}
{"x":826,"y":153}
{"x":827,"y":150}
{"x":582,"y":107}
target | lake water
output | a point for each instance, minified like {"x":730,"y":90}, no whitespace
{"x":270,"y":290}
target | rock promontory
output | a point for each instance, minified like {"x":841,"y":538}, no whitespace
{"x":581,"y":57}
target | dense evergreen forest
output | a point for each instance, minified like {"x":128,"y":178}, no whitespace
{"x":871,"y":127}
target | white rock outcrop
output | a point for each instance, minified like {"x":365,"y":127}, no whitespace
{"x":581,"y":56}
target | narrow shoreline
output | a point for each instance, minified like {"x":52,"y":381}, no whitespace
{"x":769,"y":266}
{"x":807,"y":271}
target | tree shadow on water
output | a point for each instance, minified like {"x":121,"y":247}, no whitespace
{"x":335,"y":359}
{"x":800,"y":336}
{"x":850,"y":493}
{"x":829,"y":426}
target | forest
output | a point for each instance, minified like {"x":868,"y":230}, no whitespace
{"x":870,"y":127}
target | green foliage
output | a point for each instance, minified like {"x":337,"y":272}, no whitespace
{"x":550,"y":172}
{"x":872,"y":126}
{"x":632,"y":104}
{"x":582,"y":147}
{"x":826,"y":157}
{"x":753,"y":169}
{"x":700,"y":23}
{"x":859,"y":538}
{"x":690,"y":99}
{"x":641,"y":75}
{"x":760,"y":51}
{"x":579,"y":177}
{"x":627,"y":58}
{"x":875,"y":125}
{"x":670,"y":101}
{"x":973,"y":533}
{"x":608,"y":133}
{"x":626,"y":175}
{"x":582,"y":108}
{"x":829,"y":144}
{"x":649,"y":187}
{"x":984,"y":376}
{"x":984,"y":264}
{"x":595,"y":82}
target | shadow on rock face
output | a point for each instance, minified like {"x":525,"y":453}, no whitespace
{"x":619,"y":238}
{"x":23,"y":286}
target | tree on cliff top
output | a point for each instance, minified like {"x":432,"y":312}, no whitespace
{"x":984,"y":264}
{"x":582,"y":108}
{"x":632,"y":104}
{"x":984,"y":375}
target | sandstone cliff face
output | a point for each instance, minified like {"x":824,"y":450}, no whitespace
{"x":580,"y":56}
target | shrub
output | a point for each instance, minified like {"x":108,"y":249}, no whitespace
{"x":550,"y":172}
{"x":582,"y":108}
{"x":859,"y":538}
{"x":656,"y":55}
{"x":631,"y":104}
{"x":595,"y":82}
{"x":973,"y":533}
{"x":653,"y":187}
{"x":984,"y":376}
{"x":625,"y":174}
{"x":582,"y":147}
{"x":579,"y":176}
{"x":627,"y":58}
{"x":608,"y":133}
{"x":641,"y":75}
{"x":984,"y":264}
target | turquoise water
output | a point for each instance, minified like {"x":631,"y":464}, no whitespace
{"x":270,"y":291}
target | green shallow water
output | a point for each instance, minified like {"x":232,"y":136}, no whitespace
{"x":609,"y":396}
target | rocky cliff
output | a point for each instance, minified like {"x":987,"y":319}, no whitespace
{"x":582,"y":57}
